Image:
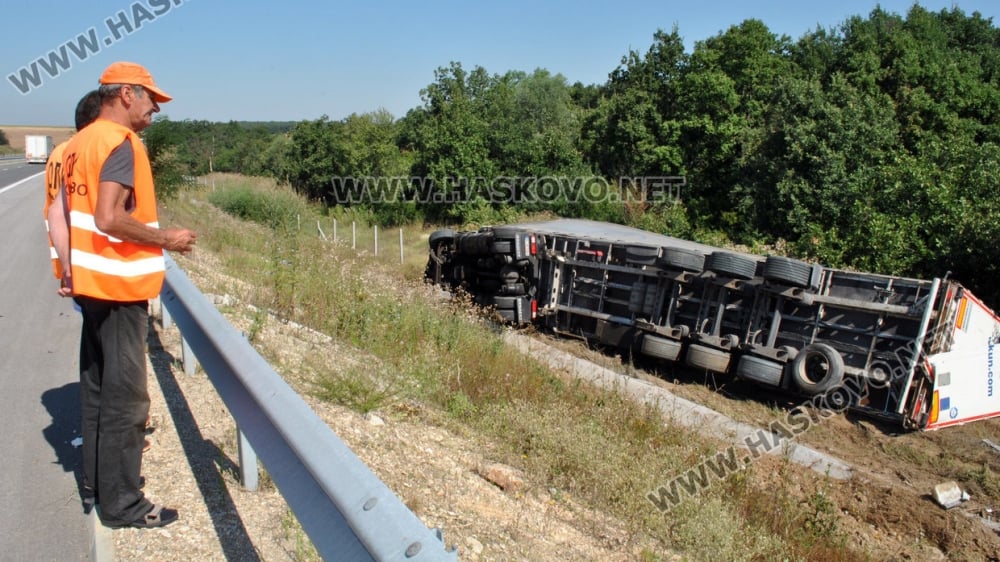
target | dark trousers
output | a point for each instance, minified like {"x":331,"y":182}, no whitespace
{"x":114,"y":403}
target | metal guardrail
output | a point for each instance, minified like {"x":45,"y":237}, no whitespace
{"x":11,"y":157}
{"x":348,"y":513}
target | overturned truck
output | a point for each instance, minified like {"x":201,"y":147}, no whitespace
{"x":918,"y":353}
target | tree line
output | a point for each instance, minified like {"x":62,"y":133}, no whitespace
{"x":872,"y":145}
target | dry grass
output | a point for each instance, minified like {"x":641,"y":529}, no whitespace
{"x":594,"y":445}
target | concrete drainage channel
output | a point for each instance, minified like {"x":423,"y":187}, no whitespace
{"x":682,"y":411}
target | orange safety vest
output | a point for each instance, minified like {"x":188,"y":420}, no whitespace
{"x":104,"y":267}
{"x":53,"y":181}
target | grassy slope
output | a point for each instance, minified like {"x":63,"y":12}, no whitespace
{"x":595,"y":445}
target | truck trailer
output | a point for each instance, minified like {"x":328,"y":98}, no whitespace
{"x":37,"y":148}
{"x":917,"y":353}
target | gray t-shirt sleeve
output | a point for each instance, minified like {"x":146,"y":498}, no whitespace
{"x":120,"y":168}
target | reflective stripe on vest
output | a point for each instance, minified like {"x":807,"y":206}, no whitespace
{"x":105,"y":267}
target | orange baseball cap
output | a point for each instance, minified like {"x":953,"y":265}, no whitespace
{"x":135,"y":74}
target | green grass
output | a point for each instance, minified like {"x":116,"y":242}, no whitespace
{"x":593,"y":445}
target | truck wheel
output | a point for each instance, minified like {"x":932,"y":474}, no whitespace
{"x":684,"y":260}
{"x":787,"y":271}
{"x":443,"y":236}
{"x":731,"y":265}
{"x":708,"y":358}
{"x":817,"y":368}
{"x":760,"y":370}
{"x":641,"y":255}
{"x":661,"y":348}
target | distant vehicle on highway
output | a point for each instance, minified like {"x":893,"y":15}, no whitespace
{"x":37,"y":148}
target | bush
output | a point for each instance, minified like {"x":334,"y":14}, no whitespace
{"x":273,"y":209}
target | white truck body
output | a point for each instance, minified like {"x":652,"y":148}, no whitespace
{"x":37,"y":148}
{"x":965,"y":380}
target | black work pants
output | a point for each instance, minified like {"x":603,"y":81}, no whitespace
{"x":114,"y":402}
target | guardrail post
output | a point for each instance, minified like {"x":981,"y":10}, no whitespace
{"x":188,"y":358}
{"x":248,"y":463}
{"x":165,"y":320}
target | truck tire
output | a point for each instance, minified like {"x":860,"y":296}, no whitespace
{"x":641,"y":255}
{"x":443,"y":236}
{"x":817,"y":368}
{"x":760,"y":370}
{"x":684,"y":260}
{"x":787,"y":271}
{"x":660,"y":348}
{"x":731,"y":265}
{"x":708,"y":358}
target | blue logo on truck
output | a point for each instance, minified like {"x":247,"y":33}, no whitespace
{"x":989,"y":361}
{"x":989,"y":371}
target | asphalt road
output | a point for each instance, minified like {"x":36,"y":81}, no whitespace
{"x":42,"y":517}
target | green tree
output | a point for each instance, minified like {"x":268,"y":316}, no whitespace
{"x":317,"y":155}
{"x":450,"y":138}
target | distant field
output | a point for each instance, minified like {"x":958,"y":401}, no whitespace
{"x":15,"y":134}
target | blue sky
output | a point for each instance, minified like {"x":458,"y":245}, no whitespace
{"x":296,"y":59}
